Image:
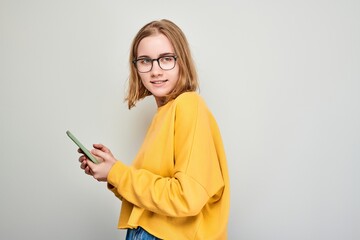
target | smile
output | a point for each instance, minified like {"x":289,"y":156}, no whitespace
{"x":158,"y":81}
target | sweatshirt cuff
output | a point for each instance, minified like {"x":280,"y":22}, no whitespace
{"x":115,"y":174}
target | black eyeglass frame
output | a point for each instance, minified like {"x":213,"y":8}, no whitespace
{"x":152,"y":62}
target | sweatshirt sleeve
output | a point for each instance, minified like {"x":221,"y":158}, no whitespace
{"x":197,"y":175}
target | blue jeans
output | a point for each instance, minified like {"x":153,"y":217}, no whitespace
{"x":139,"y":234}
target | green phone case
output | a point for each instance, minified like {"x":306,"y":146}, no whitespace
{"x":86,"y":152}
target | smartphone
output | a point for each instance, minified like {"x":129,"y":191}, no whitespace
{"x":85,"y":151}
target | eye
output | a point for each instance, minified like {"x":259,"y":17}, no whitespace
{"x":167,"y":59}
{"x":144,"y":61}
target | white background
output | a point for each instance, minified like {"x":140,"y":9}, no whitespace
{"x":282,"y":78}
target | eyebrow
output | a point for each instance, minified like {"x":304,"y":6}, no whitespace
{"x":160,"y":55}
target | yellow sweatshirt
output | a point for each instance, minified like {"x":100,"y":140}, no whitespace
{"x":178,"y":185}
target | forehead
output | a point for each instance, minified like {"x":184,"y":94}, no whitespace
{"x":154,"y":45}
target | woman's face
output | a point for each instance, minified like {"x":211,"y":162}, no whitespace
{"x":158,"y":81}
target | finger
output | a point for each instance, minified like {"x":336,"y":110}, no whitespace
{"x":101,"y":147}
{"x":83,"y":165}
{"x":82,"y":158}
{"x":80,"y":151}
{"x":91,"y":165}
{"x":99,"y":159}
{"x":88,"y":171}
{"x":100,"y":154}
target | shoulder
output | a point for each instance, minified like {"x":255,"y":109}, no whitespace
{"x":190,"y":104}
{"x":189,"y":99}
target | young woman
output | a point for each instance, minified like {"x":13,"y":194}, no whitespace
{"x":178,"y":184}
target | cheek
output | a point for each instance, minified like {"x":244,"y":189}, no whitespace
{"x":143,"y":82}
{"x":143,"y":78}
{"x":176,"y":74}
{"x":141,"y":75}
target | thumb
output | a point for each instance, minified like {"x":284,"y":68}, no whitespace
{"x":104,"y":156}
{"x":91,"y":165}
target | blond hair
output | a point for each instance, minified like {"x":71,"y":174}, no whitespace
{"x":187,"y":73}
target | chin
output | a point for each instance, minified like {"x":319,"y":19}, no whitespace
{"x":160,"y":94}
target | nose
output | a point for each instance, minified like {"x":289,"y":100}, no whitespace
{"x":156,"y":69}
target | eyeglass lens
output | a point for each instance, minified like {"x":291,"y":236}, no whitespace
{"x":146,"y":64}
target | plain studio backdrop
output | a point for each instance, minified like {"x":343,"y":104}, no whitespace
{"x":282,"y":78}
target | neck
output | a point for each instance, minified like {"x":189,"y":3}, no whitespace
{"x":160,"y":101}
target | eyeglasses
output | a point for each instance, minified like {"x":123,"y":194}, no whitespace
{"x":144,"y":65}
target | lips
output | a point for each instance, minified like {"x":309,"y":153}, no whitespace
{"x":158,"y":81}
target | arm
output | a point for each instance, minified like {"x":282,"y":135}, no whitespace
{"x":196,"y":176}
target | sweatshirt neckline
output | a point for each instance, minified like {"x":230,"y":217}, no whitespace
{"x":164,"y":106}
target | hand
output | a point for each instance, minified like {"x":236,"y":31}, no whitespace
{"x":83,"y":160}
{"x":101,"y":170}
